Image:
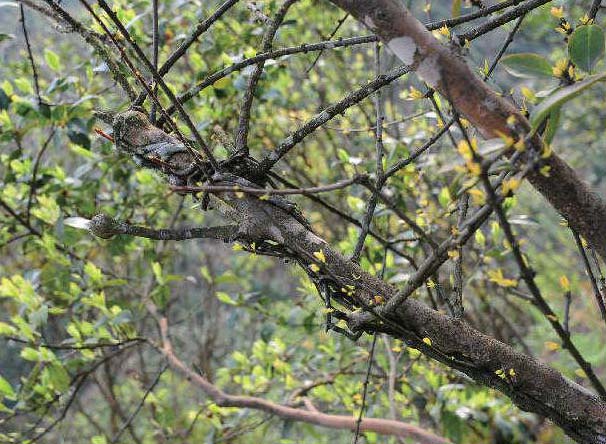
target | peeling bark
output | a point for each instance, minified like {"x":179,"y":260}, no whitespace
{"x":447,"y":72}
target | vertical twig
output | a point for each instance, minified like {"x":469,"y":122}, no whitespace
{"x":134,"y":414}
{"x":567,"y":303}
{"x":593,"y":10}
{"x":29,"y":54}
{"x":32,"y":186}
{"x":596,"y":264}
{"x":456,"y":304}
{"x":508,"y":41}
{"x":380,"y":171}
{"x":365,"y":389}
{"x":370,"y":359}
{"x":241,"y":138}
{"x":155,"y":44}
{"x":592,"y":279}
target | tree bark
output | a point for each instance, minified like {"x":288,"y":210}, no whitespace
{"x":447,"y":72}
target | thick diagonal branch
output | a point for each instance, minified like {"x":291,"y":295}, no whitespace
{"x":491,"y":114}
{"x":530,"y":384}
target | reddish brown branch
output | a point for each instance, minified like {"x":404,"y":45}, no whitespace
{"x":309,"y":415}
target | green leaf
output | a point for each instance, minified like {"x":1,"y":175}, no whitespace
{"x":4,"y":36}
{"x":527,"y":65}
{"x":343,"y":155}
{"x":52,"y":60}
{"x":58,"y":377}
{"x":552,"y":125}
{"x":98,"y":439}
{"x":5,"y":388}
{"x":24,"y":85}
{"x":47,"y":210}
{"x":586,"y":46}
{"x":444,"y":197}
{"x":157,"y":269}
{"x":6,"y":329}
{"x":225,"y":298}
{"x":560,"y":97}
{"x":30,"y":354}
{"x":206,"y":274}
{"x":92,"y":271}
{"x":455,"y":10}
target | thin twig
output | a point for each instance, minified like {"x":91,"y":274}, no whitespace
{"x":332,"y":34}
{"x":32,"y":186}
{"x":504,"y":47}
{"x":599,"y":297}
{"x":246,"y":105}
{"x":365,"y":389}
{"x":595,"y":7}
{"x":155,"y":47}
{"x":456,"y":305}
{"x":380,"y":172}
{"x":135,"y":412}
{"x":270,"y":191}
{"x":29,"y":54}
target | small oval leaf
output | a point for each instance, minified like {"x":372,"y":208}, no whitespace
{"x":559,"y":97}
{"x":527,"y":65}
{"x":586,"y":46}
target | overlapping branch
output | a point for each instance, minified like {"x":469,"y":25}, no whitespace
{"x":490,"y":113}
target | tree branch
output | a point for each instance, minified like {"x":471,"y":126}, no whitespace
{"x":491,"y":114}
{"x":344,"y":422}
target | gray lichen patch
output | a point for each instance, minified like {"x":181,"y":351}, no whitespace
{"x":429,"y":70}
{"x":404,"y":48}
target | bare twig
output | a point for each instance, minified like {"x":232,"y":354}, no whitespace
{"x":245,"y":107}
{"x":332,"y":34}
{"x":599,"y":297}
{"x":270,"y":191}
{"x":380,"y":172}
{"x":32,"y":186}
{"x":29,"y":54}
{"x":155,"y":47}
{"x":371,"y":355}
{"x":135,"y":412}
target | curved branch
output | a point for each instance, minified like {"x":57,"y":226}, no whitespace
{"x":310,"y":416}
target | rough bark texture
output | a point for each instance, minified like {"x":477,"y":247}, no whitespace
{"x":447,"y":72}
{"x":530,"y":384}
